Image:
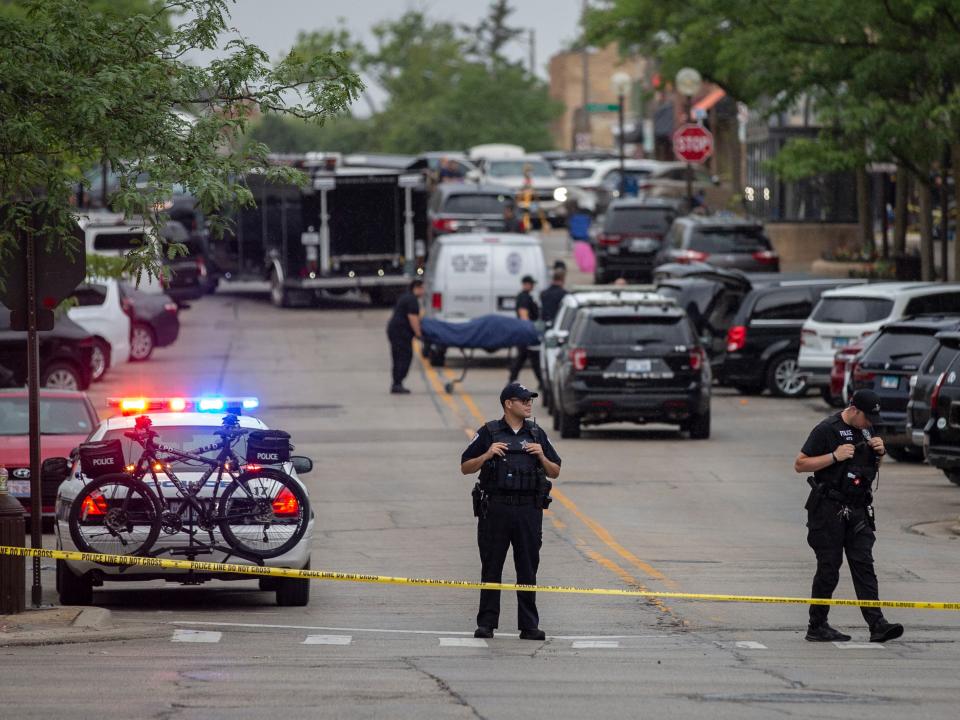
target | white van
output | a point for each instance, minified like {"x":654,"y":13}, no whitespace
{"x":847,"y":314}
{"x":473,"y":274}
{"x":108,"y":234}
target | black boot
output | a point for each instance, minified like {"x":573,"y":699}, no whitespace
{"x":825,"y":633}
{"x":483,"y":632}
{"x":535,"y":634}
{"x":399,"y":390}
{"x":881,"y":631}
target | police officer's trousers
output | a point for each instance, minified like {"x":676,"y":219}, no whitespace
{"x":401,"y":352}
{"x":830,"y":536}
{"x":523,"y":353}
{"x":503,"y":526}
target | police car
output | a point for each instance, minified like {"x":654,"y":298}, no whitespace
{"x":184,"y":424}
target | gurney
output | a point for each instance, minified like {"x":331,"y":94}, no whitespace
{"x":489,"y":332}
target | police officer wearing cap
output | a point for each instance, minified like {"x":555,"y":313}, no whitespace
{"x":527,"y":309}
{"x":844,"y":458}
{"x":515,"y":458}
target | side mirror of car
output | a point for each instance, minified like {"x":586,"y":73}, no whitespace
{"x":55,"y":468}
{"x":301,"y":464}
{"x":562,"y":336}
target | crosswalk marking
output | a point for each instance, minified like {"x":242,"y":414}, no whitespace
{"x":462,"y":642}
{"x":328,"y":640}
{"x":858,"y":646}
{"x":196,"y":636}
{"x":750,"y":645}
{"x":595,"y":644}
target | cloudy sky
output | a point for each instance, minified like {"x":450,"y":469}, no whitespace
{"x":273,"y":24}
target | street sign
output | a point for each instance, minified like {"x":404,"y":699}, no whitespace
{"x":692,"y":143}
{"x":602,"y":107}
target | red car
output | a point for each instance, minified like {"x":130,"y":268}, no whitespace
{"x":843,"y":362}
{"x":66,"y":419}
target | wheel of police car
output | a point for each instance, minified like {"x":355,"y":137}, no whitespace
{"x":569,"y":425}
{"x":784,"y":378}
{"x":73,"y":590}
{"x":264,"y":512}
{"x":699,"y":426}
{"x":115,"y":515}
{"x":292,"y":592}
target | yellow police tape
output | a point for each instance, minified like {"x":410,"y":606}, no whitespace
{"x":228,"y":568}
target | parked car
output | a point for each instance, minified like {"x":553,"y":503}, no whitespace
{"x":837,"y":394}
{"x":111,"y":235}
{"x":595,"y":183}
{"x":670,"y":180}
{"x":764,"y":340}
{"x":941,"y":434}
{"x":66,"y":354}
{"x":550,"y":194}
{"x":721,"y":240}
{"x":636,"y":363}
{"x":631,"y":238}
{"x":154,"y":320}
{"x":99,"y":311}
{"x":934,"y":364}
{"x":184,"y":275}
{"x":886,"y":368}
{"x":466,"y":208}
{"x":846,"y":314}
{"x":66,"y":419}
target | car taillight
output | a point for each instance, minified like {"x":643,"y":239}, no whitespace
{"x":436,"y":301}
{"x":805,"y":333}
{"x":935,"y":395}
{"x":127,"y":307}
{"x":766,"y":257}
{"x":170,"y":307}
{"x":689,"y":256}
{"x":445,"y":224}
{"x":609,"y":240}
{"x":860,"y":375}
{"x":736,"y":338}
{"x":578,"y":356}
{"x":286,"y":503}
{"x":697,"y":358}
{"x":93,"y":506}
{"x":201,"y":266}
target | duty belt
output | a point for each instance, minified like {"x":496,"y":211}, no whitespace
{"x":513,"y":499}
{"x":837,"y":496}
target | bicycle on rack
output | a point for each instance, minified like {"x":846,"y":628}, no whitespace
{"x":262,"y":512}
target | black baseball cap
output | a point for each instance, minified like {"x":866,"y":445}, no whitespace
{"x":528,"y":279}
{"x":516,"y":391}
{"x":869,"y":403}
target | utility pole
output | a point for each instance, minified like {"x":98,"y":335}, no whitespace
{"x":533,"y":51}
{"x":584,"y":124}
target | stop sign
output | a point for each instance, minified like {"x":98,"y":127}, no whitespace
{"x":692,"y":143}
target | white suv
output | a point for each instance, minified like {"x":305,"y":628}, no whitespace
{"x":847,"y":314}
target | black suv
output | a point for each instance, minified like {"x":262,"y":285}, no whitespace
{"x":763,"y":342}
{"x":631,"y":236}
{"x":933,"y":365}
{"x":633,"y":363}
{"x":942,"y":431}
{"x":66,"y":354}
{"x":466,"y":207}
{"x":721,"y":240}
{"x":886,"y":368}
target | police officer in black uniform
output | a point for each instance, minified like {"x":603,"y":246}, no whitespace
{"x":403,"y":326}
{"x":551,"y":298}
{"x":844,"y":458}
{"x":515,"y":458}
{"x":527,"y":309}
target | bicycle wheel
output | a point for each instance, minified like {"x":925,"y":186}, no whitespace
{"x":115,"y":515}
{"x":263,"y":512}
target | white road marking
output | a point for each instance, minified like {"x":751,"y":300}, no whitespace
{"x":462,"y":642}
{"x":750,"y":645}
{"x":328,"y":640}
{"x":197,"y":636}
{"x":858,"y":646}
{"x":595,"y":644}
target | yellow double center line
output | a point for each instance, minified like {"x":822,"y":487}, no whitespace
{"x":598,"y":530}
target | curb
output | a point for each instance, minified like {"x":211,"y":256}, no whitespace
{"x":69,"y":625}
{"x":70,"y":636}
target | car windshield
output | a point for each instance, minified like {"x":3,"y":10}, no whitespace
{"x":182,"y":437}
{"x":58,"y":416}
{"x":638,"y":330}
{"x":514,"y":168}
{"x":852,"y":310}
{"x":729,"y":240}
{"x":627,"y":219}
{"x":478,"y":204}
{"x":899,"y":348}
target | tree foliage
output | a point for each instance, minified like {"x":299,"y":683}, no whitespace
{"x":85,"y":83}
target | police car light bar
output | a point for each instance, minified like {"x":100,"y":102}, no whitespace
{"x":212,"y":403}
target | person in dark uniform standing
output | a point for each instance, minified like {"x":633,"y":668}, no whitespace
{"x":515,"y":458}
{"x":527,"y":309}
{"x":403,"y":326}
{"x":844,"y":458}
{"x":551,"y":298}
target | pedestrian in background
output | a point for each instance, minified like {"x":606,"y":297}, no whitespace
{"x":551,"y":298}
{"x":404,"y":325}
{"x":511,"y":223}
{"x":515,"y":460}
{"x":527,"y":309}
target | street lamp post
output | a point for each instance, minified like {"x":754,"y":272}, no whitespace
{"x":621,"y":84}
{"x":689,"y":83}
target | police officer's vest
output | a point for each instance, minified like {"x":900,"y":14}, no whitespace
{"x":853,"y":478}
{"x":518,"y":472}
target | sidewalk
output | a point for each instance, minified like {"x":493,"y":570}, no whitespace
{"x":58,"y":625}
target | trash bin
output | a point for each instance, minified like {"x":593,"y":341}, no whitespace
{"x":12,"y":569}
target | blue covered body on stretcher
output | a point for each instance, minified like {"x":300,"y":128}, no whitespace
{"x":488,"y":332}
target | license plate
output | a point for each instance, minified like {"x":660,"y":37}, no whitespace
{"x":839,"y":342}
{"x":643,"y":245}
{"x":19,"y":488}
{"x":507,"y":303}
{"x":638,"y":366}
{"x":890,"y":382}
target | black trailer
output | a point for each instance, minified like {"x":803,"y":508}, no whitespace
{"x":350,"y":228}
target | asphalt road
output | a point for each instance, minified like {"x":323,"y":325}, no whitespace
{"x":636,"y":508}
